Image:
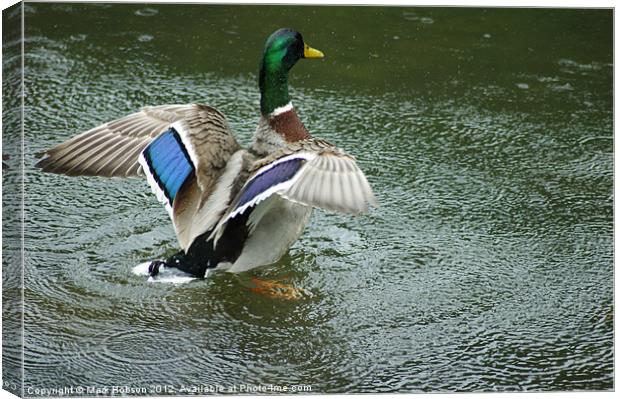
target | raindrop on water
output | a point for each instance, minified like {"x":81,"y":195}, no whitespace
{"x":410,"y":16}
{"x":78,"y":38}
{"x":146,"y":12}
{"x":145,"y":38}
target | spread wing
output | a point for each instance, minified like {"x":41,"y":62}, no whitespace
{"x":182,"y":149}
{"x":112,"y":149}
{"x":189,"y":168}
{"x":311,"y":173}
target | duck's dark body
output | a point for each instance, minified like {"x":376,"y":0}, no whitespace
{"x":202,"y":255}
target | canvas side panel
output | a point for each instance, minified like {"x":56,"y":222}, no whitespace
{"x":12,"y":200}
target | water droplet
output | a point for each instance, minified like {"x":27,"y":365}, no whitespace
{"x":396,"y":37}
{"x":487,"y":35}
{"x":410,"y":16}
{"x":427,"y":20}
{"x":78,"y":38}
{"x":564,"y":87}
{"x":566,"y":62}
{"x":146,"y":12}
{"x":545,"y":79}
{"x":523,"y":86}
{"x":145,"y":38}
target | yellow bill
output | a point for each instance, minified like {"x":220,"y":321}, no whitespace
{"x":310,"y":52}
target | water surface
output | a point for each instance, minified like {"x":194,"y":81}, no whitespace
{"x":486,"y":134}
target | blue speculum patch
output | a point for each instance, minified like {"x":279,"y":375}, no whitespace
{"x":169,"y":162}
{"x":280,"y":173}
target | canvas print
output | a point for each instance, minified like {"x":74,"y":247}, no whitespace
{"x":259,"y":199}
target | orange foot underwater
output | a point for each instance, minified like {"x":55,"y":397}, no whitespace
{"x":278,"y":290}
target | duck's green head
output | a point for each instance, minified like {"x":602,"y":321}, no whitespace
{"x":282,"y":50}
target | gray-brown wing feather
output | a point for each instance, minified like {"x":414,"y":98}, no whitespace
{"x":112,"y":149}
{"x":334,"y":182}
{"x":328,"y":178}
{"x":331,"y":181}
{"x":212,"y":144}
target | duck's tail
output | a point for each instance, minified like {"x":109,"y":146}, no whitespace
{"x":203,"y":254}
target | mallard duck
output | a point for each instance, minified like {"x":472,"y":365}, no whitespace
{"x":232,"y":208}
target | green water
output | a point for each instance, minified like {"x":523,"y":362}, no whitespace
{"x":485,"y":133}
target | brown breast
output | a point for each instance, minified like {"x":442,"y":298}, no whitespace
{"x":289,"y":126}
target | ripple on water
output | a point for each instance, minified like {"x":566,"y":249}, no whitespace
{"x":118,"y":348}
{"x":80,"y":37}
{"x":145,"y":38}
{"x":146,"y":12}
